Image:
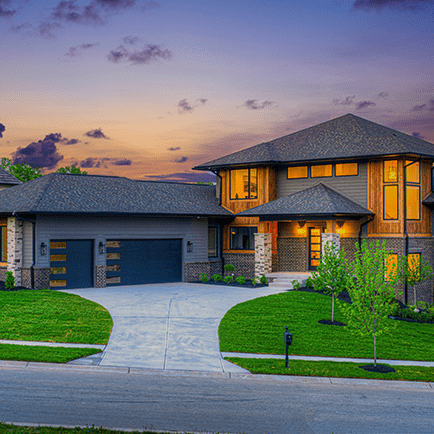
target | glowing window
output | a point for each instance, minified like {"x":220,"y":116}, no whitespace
{"x":244,"y":184}
{"x":347,"y":169}
{"x":391,"y":171}
{"x":57,"y":282}
{"x":297,"y":172}
{"x":391,"y":264}
{"x":413,"y":201}
{"x":390,"y":202}
{"x":412,"y":172}
{"x":414,"y":264}
{"x":3,"y":244}
{"x":321,"y":171}
{"x":58,"y":245}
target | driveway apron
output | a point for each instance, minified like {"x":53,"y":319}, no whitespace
{"x":168,"y":326}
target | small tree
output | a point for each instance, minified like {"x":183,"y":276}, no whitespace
{"x":10,"y":280}
{"x":372,"y":291}
{"x":332,"y":273}
{"x":412,"y":270}
{"x":73,"y":170}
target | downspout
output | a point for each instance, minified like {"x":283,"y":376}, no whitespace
{"x":370,"y":218}
{"x":32,"y":267}
{"x":220,"y":228}
{"x":221,"y":183}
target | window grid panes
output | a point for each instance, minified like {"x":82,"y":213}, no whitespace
{"x":244,"y":184}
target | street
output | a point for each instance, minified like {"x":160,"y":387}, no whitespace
{"x":177,"y":401}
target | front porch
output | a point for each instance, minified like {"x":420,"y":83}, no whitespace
{"x":283,"y":280}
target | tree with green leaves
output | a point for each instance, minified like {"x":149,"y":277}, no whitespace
{"x":413,"y":270}
{"x":73,"y":170}
{"x":332,"y":273}
{"x":372,"y":291}
{"x":23,"y":172}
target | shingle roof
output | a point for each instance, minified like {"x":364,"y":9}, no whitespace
{"x":318,"y":200}
{"x":7,"y":178}
{"x":65,"y":193}
{"x":348,"y":136}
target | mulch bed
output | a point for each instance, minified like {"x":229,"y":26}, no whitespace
{"x":17,"y":288}
{"x":246,"y":285}
{"x":329,"y":322}
{"x":383,"y":369}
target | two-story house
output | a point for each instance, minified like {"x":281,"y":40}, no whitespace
{"x":348,"y":176}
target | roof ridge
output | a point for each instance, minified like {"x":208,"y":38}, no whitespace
{"x":44,"y":190}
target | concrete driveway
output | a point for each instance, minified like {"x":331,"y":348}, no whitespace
{"x":168,"y":326}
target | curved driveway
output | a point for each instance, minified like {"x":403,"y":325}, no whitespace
{"x":168,"y":326}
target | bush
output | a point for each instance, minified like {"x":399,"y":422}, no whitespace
{"x":263,"y":280}
{"x":204,"y":277}
{"x":309,"y":283}
{"x":10,"y":280}
{"x":229,"y":279}
{"x":241,"y":280}
{"x":255,"y":281}
{"x":229,"y":268}
{"x":216,"y":277}
{"x":296,"y":284}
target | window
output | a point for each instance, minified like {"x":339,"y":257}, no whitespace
{"x":414,"y":264}
{"x":390,"y":202}
{"x":244,"y":184}
{"x":347,"y":169}
{"x":412,"y":190}
{"x":390,"y":172}
{"x":412,"y":171}
{"x":212,"y":242}
{"x":321,"y":171}
{"x":391,"y":264}
{"x":243,"y":238}
{"x":3,"y":244}
{"x":297,"y":172}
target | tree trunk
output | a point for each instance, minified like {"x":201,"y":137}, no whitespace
{"x":375,"y":350}
{"x":414,"y":292}
{"x":333,"y":306}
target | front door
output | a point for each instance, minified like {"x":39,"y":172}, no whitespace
{"x":314,"y":247}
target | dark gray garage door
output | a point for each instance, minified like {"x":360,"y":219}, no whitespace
{"x":71,"y":264}
{"x":134,"y":262}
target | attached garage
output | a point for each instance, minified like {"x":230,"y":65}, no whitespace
{"x":134,"y":262}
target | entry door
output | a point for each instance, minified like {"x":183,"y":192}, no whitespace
{"x":314,"y":247}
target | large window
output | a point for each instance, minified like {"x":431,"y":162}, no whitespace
{"x":390,"y":172}
{"x":390,"y":202}
{"x":212,"y":242}
{"x":3,"y":244}
{"x":321,"y":171}
{"x":243,"y":238}
{"x":244,"y":184}
{"x":412,"y":190}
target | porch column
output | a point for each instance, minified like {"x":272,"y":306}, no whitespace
{"x":263,"y":259}
{"x":334,"y":239}
{"x":15,"y":248}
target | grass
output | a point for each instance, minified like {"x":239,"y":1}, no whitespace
{"x":257,"y":326}
{"x":28,"y":353}
{"x":52,"y":316}
{"x":331,"y":369}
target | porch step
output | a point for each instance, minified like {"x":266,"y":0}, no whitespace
{"x":284,"y":280}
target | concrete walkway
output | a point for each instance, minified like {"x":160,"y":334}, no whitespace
{"x":168,"y":326}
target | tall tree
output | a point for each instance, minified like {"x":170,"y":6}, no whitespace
{"x":23,"y":172}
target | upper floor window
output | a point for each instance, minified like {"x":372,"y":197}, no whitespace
{"x":412,"y":189}
{"x":297,"y":172}
{"x":3,"y":244}
{"x":347,"y":169}
{"x":243,"y":238}
{"x":390,"y":195}
{"x":321,"y":171}
{"x":244,"y":184}
{"x":390,"y":171}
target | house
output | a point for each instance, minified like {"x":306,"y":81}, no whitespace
{"x":348,"y":176}
{"x":274,"y":206}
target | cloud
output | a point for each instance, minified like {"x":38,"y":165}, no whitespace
{"x":177,"y":148}
{"x":364,"y":104}
{"x":2,"y":130}
{"x":5,"y":12}
{"x":253,"y":104}
{"x":116,"y":4}
{"x":123,"y":162}
{"x":417,"y":135}
{"x":130,"y":40}
{"x":90,"y":162}
{"x":96,"y":134}
{"x":382,"y":95}
{"x":71,"y":142}
{"x":184,"y":107}
{"x":78,"y":49}
{"x":42,"y":154}
{"x":181,"y":160}
{"x":349,"y":100}
{"x":150,"y":53}
{"x":22,"y":26}
{"x":404,"y":5}
{"x":202,"y":101}
{"x":422,"y":107}
{"x":183,"y":177}
{"x":69,"y":11}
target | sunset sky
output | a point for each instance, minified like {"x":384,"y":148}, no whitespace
{"x":149,"y":89}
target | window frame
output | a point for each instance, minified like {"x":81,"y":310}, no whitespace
{"x":397,"y":172}
{"x":343,"y":164}
{"x":252,"y":231}
{"x":300,"y":177}
{"x":384,"y":202}
{"x":217,"y":244}
{"x":386,"y":272}
{"x":317,"y":165}
{"x":3,"y":245}
{"x":250,"y":187}
{"x":416,"y":185}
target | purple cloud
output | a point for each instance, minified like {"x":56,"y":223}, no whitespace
{"x":404,"y":5}
{"x":123,"y":162}
{"x":90,"y":162}
{"x":349,"y":100}
{"x":428,"y":106}
{"x":78,"y":49}
{"x":181,"y":160}
{"x":382,"y":95}
{"x":364,"y":104}
{"x":177,"y":148}
{"x":5,"y":12}
{"x":116,"y":4}
{"x":2,"y":130}
{"x":253,"y":104}
{"x":42,"y":154}
{"x":149,"y":54}
{"x":22,"y":26}
{"x":417,"y":135}
{"x":71,"y":142}
{"x":96,"y":134}
{"x":130,"y":40}
{"x":184,"y":107}
{"x":201,"y":101}
{"x":69,"y":11}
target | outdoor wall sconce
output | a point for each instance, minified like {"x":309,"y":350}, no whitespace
{"x":189,"y":246}
{"x":43,"y":249}
{"x":301,"y":223}
{"x":101,"y":248}
{"x":340,"y":223}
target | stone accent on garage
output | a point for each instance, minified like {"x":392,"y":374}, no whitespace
{"x":42,"y":278}
{"x":15,"y":248}
{"x":244,"y":264}
{"x":101,"y":276}
{"x":292,"y":253}
{"x":192,"y":270}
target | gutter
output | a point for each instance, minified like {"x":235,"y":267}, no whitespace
{"x":32,"y":267}
{"x":369,"y":220}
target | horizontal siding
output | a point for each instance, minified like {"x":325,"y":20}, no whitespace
{"x":27,"y":244}
{"x":100,"y":229}
{"x":354,"y":188}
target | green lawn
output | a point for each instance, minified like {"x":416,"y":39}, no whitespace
{"x":52,"y":316}
{"x":331,"y":369}
{"x":257,"y":326}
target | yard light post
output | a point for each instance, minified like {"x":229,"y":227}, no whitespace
{"x":288,"y":342}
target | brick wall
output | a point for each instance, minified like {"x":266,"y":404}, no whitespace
{"x":292,"y":254}
{"x":244,"y":264}
{"x":192,"y":270}
{"x":42,"y":278}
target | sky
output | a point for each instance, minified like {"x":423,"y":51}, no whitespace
{"x":150,"y":89}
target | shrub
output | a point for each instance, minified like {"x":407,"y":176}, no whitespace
{"x":296,"y":284}
{"x":309,"y":283}
{"x":255,"y":281}
{"x":229,"y":268}
{"x":204,"y":277}
{"x":229,"y":279}
{"x":263,"y":280}
{"x":10,"y":280}
{"x":241,"y":280}
{"x":216,"y":277}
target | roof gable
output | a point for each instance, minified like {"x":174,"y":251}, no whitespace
{"x":7,"y":179}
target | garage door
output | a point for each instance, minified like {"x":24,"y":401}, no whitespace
{"x":71,"y":264}
{"x":134,"y":262}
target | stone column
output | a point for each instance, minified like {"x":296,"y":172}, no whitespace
{"x":334,"y":239}
{"x":263,"y":258}
{"x":15,"y":248}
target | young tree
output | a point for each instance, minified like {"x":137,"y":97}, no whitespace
{"x":412,"y":270}
{"x":332,"y":273}
{"x":23,"y":172}
{"x":73,"y":170}
{"x":372,"y":291}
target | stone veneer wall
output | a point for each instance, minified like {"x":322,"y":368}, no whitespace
{"x":101,"y":276}
{"x":244,"y":264}
{"x":15,"y":248}
{"x":263,"y":258}
{"x":192,"y":270}
{"x":292,"y":254}
{"x":3,"y":273}
{"x":26,"y":277}
{"x":349,"y":247}
{"x":42,"y":278}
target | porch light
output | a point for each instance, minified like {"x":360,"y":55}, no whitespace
{"x":43,"y":249}
{"x":189,"y":246}
{"x":101,"y":248}
{"x":301,"y":223}
{"x":340,"y":223}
